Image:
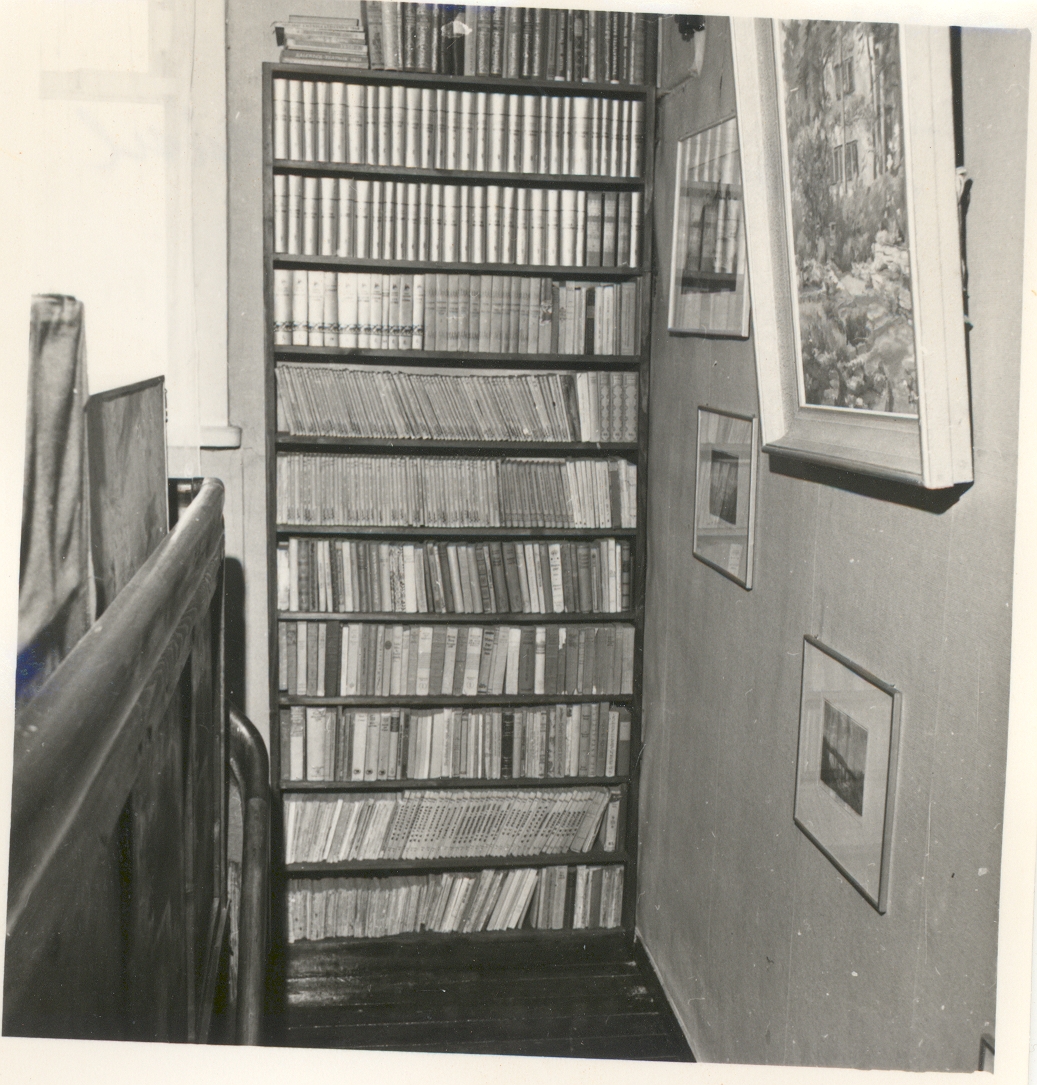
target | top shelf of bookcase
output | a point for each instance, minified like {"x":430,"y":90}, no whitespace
{"x":333,"y":73}
{"x":592,"y":181}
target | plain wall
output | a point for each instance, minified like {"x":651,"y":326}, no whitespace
{"x":768,"y":954}
{"x":250,"y":42}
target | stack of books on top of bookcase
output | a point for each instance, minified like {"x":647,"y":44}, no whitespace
{"x":458,"y":273}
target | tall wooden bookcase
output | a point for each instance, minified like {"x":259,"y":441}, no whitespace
{"x":280,"y":444}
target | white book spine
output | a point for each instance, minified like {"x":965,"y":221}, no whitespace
{"x":309,"y":122}
{"x":331,"y":324}
{"x":295,"y":120}
{"x":320,"y":148}
{"x":280,"y":118}
{"x":282,"y":307}
{"x":349,"y":325}
{"x":280,"y":213}
{"x":337,"y":122}
{"x":355,"y":124}
{"x":398,"y":112}
{"x":299,"y":308}
{"x":412,"y":157}
{"x":310,"y":213}
{"x":328,"y":215}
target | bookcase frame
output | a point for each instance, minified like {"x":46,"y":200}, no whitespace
{"x":626,"y":854}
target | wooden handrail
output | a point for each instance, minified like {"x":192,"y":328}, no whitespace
{"x":81,"y":742}
{"x":248,"y":762}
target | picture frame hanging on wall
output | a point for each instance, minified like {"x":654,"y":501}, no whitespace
{"x":725,"y":493}
{"x":846,"y":768}
{"x":709,"y":285}
{"x":851,"y":208}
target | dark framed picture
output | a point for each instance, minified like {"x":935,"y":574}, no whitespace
{"x":851,"y":207}
{"x":849,"y":731}
{"x":709,"y":287}
{"x":725,"y":493}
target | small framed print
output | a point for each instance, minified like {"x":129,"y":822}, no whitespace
{"x":725,"y":493}
{"x":849,"y":731}
{"x":709,"y":289}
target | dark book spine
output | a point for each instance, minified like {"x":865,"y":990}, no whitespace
{"x":436,"y":39}
{"x":561,"y":45}
{"x":638,"y":45}
{"x":423,"y":38}
{"x":507,"y":743}
{"x":483,"y":35}
{"x":579,"y":21}
{"x":615,"y":23}
{"x":551,"y":44}
{"x":513,"y":43}
{"x":624,"y":60}
{"x":570,"y":46}
{"x":528,"y":39}
{"x":408,"y":36}
{"x":539,"y":42}
{"x":497,"y":41}
{"x":332,"y":659}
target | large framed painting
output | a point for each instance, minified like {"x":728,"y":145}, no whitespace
{"x":851,"y":210}
{"x":709,"y":288}
{"x":849,"y":731}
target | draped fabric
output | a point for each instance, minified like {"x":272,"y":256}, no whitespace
{"x":53,"y":585}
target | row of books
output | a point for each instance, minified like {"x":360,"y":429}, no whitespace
{"x":450,"y":824}
{"x":423,"y":128}
{"x":353,"y":576}
{"x":409,"y":491}
{"x":545,"y":898}
{"x":343,"y":401}
{"x":489,"y":314}
{"x":354,"y":659}
{"x":323,"y":39}
{"x":513,"y":42}
{"x":455,"y":224}
{"x":333,"y":743}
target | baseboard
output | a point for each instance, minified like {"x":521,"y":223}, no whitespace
{"x":699,"y":1050}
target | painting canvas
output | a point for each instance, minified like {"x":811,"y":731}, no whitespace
{"x":709,"y":290}
{"x":841,"y":93}
{"x":846,"y":768}
{"x":725,"y":498}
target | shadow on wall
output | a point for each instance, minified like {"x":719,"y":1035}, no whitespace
{"x":899,"y":493}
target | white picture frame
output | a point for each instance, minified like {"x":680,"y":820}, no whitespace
{"x":846,"y":767}
{"x":709,"y":286}
{"x":932,"y":448}
{"x":725,"y":493}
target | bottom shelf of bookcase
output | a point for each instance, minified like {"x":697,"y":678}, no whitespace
{"x":480,"y":862}
{"x":432,"y":942}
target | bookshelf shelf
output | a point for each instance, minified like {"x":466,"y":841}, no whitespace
{"x":336,"y":74}
{"x":592,"y":182}
{"x":455,"y":942}
{"x":335,"y":787}
{"x":400,"y":618}
{"x":568,"y":272}
{"x":480,"y":862}
{"x":468,"y":533}
{"x":391,"y":446}
{"x":480,"y":701}
{"x":455,"y":358}
{"x":611,"y":308}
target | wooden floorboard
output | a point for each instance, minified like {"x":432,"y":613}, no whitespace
{"x":593,"y":999}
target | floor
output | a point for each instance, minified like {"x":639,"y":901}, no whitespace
{"x":596,"y":999}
